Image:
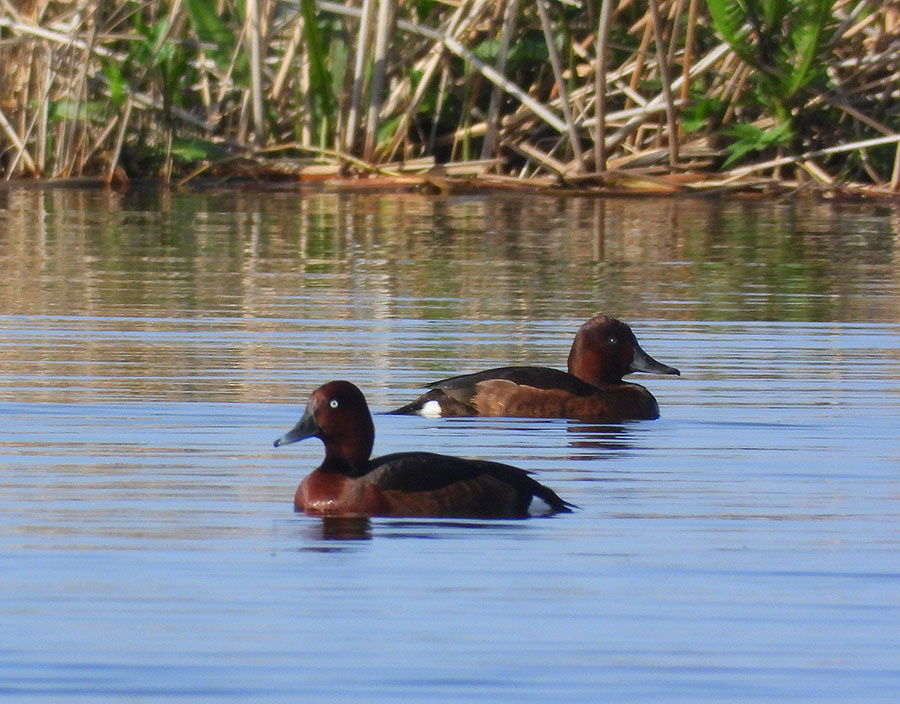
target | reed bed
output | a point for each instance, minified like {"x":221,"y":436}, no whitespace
{"x":662,"y":95}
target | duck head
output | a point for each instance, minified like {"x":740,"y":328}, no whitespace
{"x":605,"y":350}
{"x":337,"y":414}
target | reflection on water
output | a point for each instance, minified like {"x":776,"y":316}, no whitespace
{"x":740,"y":548}
{"x":117,"y":286}
{"x":339,"y":528}
{"x":271,"y":255}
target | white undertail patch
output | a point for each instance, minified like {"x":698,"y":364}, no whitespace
{"x":539,"y":507}
{"x":430,"y":409}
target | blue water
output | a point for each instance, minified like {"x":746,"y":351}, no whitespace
{"x":743,"y":547}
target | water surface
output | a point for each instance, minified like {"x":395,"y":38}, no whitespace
{"x":743,"y":547}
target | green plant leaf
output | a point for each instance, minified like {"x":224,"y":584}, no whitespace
{"x":774,"y":12}
{"x":118,"y":88}
{"x":807,"y":40}
{"x":750,"y":139}
{"x":319,"y":78}
{"x":211,"y":30}
{"x":698,"y":113}
{"x":85,"y":110}
{"x":197,"y":150}
{"x":730,"y":19}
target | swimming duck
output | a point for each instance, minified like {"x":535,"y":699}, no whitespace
{"x":604,"y":350}
{"x":349,"y":482}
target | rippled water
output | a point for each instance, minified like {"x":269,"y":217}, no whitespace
{"x":744,"y":547}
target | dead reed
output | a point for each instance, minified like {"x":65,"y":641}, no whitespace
{"x":665,"y":95}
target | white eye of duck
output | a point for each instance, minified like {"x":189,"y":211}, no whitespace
{"x":333,"y":403}
{"x":613,"y":340}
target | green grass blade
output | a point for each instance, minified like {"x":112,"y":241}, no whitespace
{"x":319,"y":77}
{"x":211,"y":29}
{"x":807,"y":40}
{"x":729,"y":19}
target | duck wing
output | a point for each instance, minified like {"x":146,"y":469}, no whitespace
{"x":426,"y":483}
{"x":464,"y":386}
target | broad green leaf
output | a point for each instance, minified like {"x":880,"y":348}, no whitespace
{"x":196,"y":150}
{"x":808,"y":42}
{"x":319,"y":77}
{"x":210,"y":28}
{"x":774,"y":12}
{"x":117,"y":85}
{"x":750,"y":138}
{"x":730,"y":20}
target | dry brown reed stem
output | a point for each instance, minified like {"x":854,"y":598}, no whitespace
{"x":22,"y":150}
{"x":560,"y":85}
{"x":742,"y":171}
{"x":120,"y":139}
{"x":253,"y":32}
{"x":657,"y":104}
{"x":430,"y":68}
{"x":895,"y":172}
{"x":286,"y":63}
{"x":600,"y":86}
{"x":663,"y":68}
{"x":383,"y":25}
{"x":509,"y":21}
{"x":442,"y":90}
{"x":533,"y":123}
{"x":459,"y":23}
{"x":359,"y":73}
{"x":640,"y":57}
{"x":689,"y":49}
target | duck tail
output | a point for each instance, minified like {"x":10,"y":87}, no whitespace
{"x":435,"y":404}
{"x":551,"y":500}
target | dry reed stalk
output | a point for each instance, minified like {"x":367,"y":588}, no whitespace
{"x":742,"y":171}
{"x":674,"y":15}
{"x":657,"y":104}
{"x":438,"y":108}
{"x":560,"y":85}
{"x":22,"y":150}
{"x":532,"y":153}
{"x":663,"y":68}
{"x":253,"y":33}
{"x":55,"y":37}
{"x":306,"y":113}
{"x":844,"y":106}
{"x":539,"y":109}
{"x":817,"y":172}
{"x":509,"y":20}
{"x":359,"y":73}
{"x":895,"y":172}
{"x":120,"y":139}
{"x":640,"y":57}
{"x":688,"y":49}
{"x":589,"y":96}
{"x":287,"y":60}
{"x":43,"y":119}
{"x":379,"y":70}
{"x":600,"y":86}
{"x":456,"y":25}
{"x":734,"y":90}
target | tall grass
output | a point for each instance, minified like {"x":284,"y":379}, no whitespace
{"x":666,"y":94}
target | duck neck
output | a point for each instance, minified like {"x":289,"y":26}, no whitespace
{"x":350,"y":459}
{"x":589,"y":366}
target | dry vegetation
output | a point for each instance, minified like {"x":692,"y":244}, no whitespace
{"x":664,"y":94}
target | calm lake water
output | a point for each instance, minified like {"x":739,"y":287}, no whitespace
{"x":743,"y":547}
